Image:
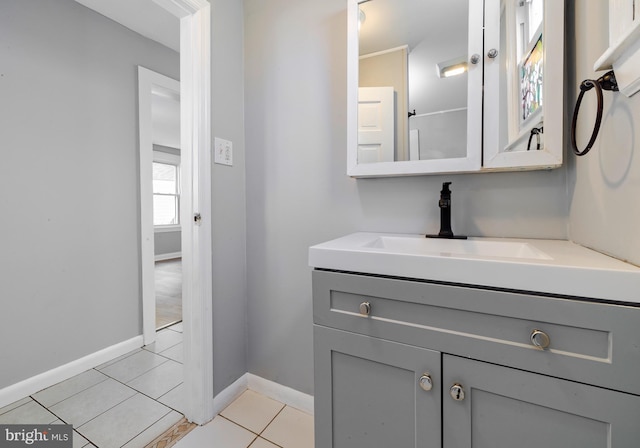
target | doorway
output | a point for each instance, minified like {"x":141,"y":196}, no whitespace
{"x":195,"y":171}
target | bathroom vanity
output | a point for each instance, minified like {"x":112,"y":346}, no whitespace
{"x":485,"y":343}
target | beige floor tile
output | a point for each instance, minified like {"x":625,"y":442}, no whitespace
{"x":159,"y":380}
{"x":14,"y":405}
{"x":252,"y":411}
{"x":164,"y":339}
{"x":79,"y":441}
{"x":29,"y":412}
{"x":154,"y":431}
{"x":82,"y":407}
{"x":124,"y":422}
{"x":176,"y":353}
{"x":133,"y":366}
{"x":61,"y":391}
{"x":174,"y":399}
{"x":291,"y":429}
{"x":262,"y":443}
{"x":119,"y":358}
{"x":220,"y":432}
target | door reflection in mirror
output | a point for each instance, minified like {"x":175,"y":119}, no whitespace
{"x":419,"y":49}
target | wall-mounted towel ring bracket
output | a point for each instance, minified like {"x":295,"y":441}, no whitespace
{"x":606,"y":82}
{"x":536,"y":132}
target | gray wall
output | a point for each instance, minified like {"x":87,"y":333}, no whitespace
{"x":604,"y":186}
{"x":229,"y":204}
{"x":69,"y":180}
{"x":167,"y":242}
{"x":298,"y":193}
{"x":166,"y":149}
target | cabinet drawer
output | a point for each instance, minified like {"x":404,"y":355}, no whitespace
{"x":596,"y":343}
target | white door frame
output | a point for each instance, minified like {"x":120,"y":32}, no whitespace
{"x":148,"y":81}
{"x":195,"y":130}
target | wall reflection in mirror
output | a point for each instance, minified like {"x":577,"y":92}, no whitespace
{"x":413,"y":79}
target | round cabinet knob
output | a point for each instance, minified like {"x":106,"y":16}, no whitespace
{"x":475,"y":58}
{"x":493,"y":53}
{"x":457,"y":392}
{"x":365,"y":308}
{"x":540,"y":339}
{"x":425,"y":381}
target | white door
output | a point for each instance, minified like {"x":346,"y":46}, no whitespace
{"x":195,"y":120}
{"x":376,"y":124}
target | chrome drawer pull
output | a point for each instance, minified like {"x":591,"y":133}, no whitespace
{"x":540,"y":339}
{"x":425,"y":381}
{"x":457,"y":392}
{"x":365,"y":308}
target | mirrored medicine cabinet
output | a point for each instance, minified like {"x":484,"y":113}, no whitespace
{"x":446,"y":86}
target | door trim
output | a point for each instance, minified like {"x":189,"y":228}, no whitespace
{"x":195,"y":130}
{"x":147,"y":80}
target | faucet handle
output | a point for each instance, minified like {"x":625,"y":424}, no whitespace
{"x":445,"y":195}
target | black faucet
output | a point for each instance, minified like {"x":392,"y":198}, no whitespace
{"x":445,"y":215}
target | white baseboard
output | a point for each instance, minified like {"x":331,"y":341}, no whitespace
{"x":169,"y":256}
{"x":278,"y":392}
{"x":230,"y":393}
{"x":36,"y":383}
{"x":283,"y":394}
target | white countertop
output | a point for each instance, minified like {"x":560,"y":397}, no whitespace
{"x":546,"y":266}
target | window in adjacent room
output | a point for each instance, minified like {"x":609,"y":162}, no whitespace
{"x":166,"y":191}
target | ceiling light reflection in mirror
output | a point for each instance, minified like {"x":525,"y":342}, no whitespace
{"x":419,"y":49}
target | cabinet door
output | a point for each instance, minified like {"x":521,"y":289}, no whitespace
{"x":525,"y":67}
{"x":367,"y":393}
{"x":504,"y":408}
{"x":448,"y":120}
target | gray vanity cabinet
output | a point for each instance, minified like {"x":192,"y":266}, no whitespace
{"x":505,"y":408}
{"x":372,"y":396}
{"x":488,"y":384}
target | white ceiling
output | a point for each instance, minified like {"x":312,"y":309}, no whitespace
{"x":394,"y":23}
{"x":142,"y":16}
{"x":147,"y":18}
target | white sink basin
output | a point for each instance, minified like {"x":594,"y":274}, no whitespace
{"x":472,"y":247}
{"x":545,"y":266}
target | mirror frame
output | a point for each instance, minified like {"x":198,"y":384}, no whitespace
{"x":483,"y":153}
{"x":471,"y":163}
{"x":551,"y":155}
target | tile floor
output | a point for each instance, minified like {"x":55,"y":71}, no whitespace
{"x":168,"y":286}
{"x":254,"y":421}
{"x":132,"y":400}
{"x":126,"y":402}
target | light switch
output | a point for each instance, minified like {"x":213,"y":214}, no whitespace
{"x":223,"y":151}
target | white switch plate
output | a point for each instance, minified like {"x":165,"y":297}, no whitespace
{"x":223,"y":151}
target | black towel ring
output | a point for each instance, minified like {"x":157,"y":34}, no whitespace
{"x":536,"y":132}
{"x":606,"y":82}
